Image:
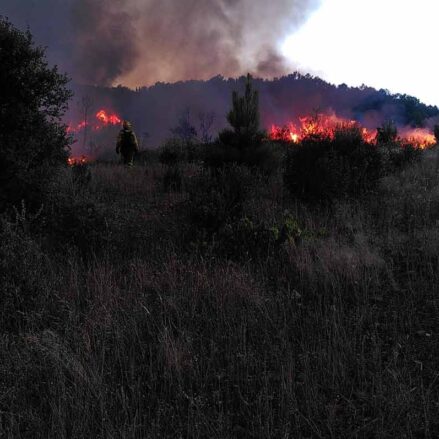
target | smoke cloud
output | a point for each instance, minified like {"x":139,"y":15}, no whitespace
{"x":105,"y":43}
{"x":140,"y":42}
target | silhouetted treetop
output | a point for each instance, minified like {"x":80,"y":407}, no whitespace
{"x":33,"y":98}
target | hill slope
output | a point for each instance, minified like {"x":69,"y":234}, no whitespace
{"x":156,"y":109}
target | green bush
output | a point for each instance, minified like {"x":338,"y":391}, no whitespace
{"x":217,"y":198}
{"x":33,"y":99}
{"x":219,"y":220}
{"x":249,"y":238}
{"x":323,"y":168}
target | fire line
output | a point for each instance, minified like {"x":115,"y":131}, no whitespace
{"x":327,"y":125}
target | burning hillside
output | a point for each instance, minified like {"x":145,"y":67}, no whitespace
{"x":319,"y":125}
{"x":420,"y":137}
{"x":90,"y":135}
{"x":157,"y":108}
{"x":102,"y":119}
{"x":327,"y":125}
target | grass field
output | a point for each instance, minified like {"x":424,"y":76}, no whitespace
{"x":120,"y":324}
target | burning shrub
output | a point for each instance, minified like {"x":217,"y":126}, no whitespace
{"x":32,"y":139}
{"x":324,"y":168}
{"x":318,"y":125}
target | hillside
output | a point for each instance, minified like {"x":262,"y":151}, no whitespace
{"x":155,"y":110}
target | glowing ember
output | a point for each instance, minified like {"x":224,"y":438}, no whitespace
{"x":75,"y":129}
{"x":75,"y":161}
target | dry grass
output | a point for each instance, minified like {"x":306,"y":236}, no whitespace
{"x":333,"y":336}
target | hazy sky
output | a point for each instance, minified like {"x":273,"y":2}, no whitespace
{"x":140,"y":42}
{"x":382,"y":43}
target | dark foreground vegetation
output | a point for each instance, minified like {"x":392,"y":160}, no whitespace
{"x":131,"y":311}
{"x":216,"y":293}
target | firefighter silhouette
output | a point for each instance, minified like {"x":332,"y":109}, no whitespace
{"x":127,"y":144}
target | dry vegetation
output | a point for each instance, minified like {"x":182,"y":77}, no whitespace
{"x":125,"y":323}
{"x":189,"y":300}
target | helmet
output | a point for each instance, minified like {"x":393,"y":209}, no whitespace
{"x":126,"y":125}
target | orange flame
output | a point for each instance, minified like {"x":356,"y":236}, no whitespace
{"x":320,"y":126}
{"x":108,"y":119}
{"x":75,"y":161}
{"x":420,"y":137}
{"x":326,"y":126}
{"x":103,"y":118}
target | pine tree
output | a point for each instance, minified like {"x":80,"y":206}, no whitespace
{"x":244,"y":120}
{"x":244,"y":143}
{"x":244,"y":116}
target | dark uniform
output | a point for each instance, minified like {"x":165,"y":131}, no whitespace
{"x":127,"y":144}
